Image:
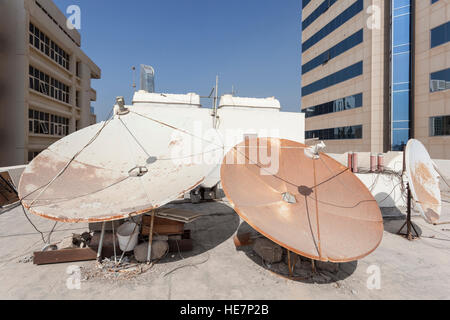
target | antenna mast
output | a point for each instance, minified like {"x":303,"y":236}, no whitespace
{"x":134,"y":78}
{"x":215,"y":102}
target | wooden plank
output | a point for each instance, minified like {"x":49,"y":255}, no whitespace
{"x":178,"y":214}
{"x":64,"y":255}
{"x":97,"y":226}
{"x":162,"y":226}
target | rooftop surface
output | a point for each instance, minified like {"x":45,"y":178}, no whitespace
{"x":215,"y":269}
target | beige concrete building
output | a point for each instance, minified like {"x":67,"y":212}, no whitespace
{"x":432,"y":76}
{"x":371,"y":77}
{"x":46,"y":79}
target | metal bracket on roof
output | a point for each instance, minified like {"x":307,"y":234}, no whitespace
{"x":313,"y":152}
{"x":138,"y":171}
{"x":119,"y":107}
{"x":289,"y":198}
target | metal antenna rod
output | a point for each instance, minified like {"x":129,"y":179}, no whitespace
{"x":215,"y":102}
{"x":134,"y":78}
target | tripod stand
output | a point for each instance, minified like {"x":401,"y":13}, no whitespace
{"x":409,"y":225}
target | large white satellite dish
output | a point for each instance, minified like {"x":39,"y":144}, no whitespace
{"x":423,"y":181}
{"x":112,"y":170}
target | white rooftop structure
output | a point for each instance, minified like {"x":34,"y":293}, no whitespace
{"x":189,"y":99}
{"x":229,"y":101}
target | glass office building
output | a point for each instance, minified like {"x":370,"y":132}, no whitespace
{"x":376,"y":74}
{"x":401,"y":64}
{"x":147,"y":78}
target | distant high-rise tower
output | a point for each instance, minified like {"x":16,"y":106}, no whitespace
{"x":147,"y":78}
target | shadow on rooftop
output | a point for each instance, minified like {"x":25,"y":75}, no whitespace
{"x":393,"y":226}
{"x":326,"y":272}
{"x":218,"y":224}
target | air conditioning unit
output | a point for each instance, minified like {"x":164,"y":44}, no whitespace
{"x":437,"y":85}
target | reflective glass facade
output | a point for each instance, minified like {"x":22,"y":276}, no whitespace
{"x":147,"y":78}
{"x":333,"y":52}
{"x":345,"y":16}
{"x":440,"y":80}
{"x":333,"y":79}
{"x":347,"y":103}
{"x":324,"y":6}
{"x":342,"y":133}
{"x":440,"y":35}
{"x":440,"y":126}
{"x":401,"y":74}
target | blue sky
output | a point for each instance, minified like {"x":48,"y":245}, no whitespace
{"x":251,"y":44}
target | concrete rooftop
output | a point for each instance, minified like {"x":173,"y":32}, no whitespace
{"x":215,"y":269}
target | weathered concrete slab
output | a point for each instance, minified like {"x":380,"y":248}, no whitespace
{"x":222,"y":272}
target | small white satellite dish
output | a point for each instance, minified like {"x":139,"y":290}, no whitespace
{"x":423,"y":181}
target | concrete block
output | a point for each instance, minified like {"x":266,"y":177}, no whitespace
{"x":159,"y":249}
{"x":268,"y":250}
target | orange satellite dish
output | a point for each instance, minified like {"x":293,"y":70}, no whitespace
{"x":302,"y":199}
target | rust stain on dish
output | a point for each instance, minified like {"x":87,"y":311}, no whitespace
{"x":337,"y":220}
{"x":85,"y":193}
{"x":428,"y":201}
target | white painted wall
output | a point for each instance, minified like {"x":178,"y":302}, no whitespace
{"x":232,"y":123}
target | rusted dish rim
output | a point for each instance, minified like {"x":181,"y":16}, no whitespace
{"x":111,"y":217}
{"x":317,"y":258}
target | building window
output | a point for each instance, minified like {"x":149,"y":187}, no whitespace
{"x":440,"y":35}
{"x":77,"y":98}
{"x":78,"y":69}
{"x":401,"y":74}
{"x":342,"y":133}
{"x":56,"y":23}
{"x":40,"y":41}
{"x":322,"y":8}
{"x":305,"y":3}
{"x":32,"y":155}
{"x":345,"y":16}
{"x":440,"y":80}
{"x":333,"y":79}
{"x":45,"y":123}
{"x":440,"y":126}
{"x":333,"y":52}
{"x":347,"y":103}
{"x":43,"y":83}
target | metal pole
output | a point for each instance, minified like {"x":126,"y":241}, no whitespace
{"x":150,"y":238}
{"x":408,"y":214}
{"x":289,"y":263}
{"x":215,"y":102}
{"x":100,"y":244}
{"x":114,"y":242}
{"x":317,"y":209}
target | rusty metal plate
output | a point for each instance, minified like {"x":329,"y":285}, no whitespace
{"x":313,"y":206}
{"x":130,"y":168}
{"x":423,"y":181}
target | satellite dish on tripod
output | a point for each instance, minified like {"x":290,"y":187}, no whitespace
{"x":423,"y":180}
